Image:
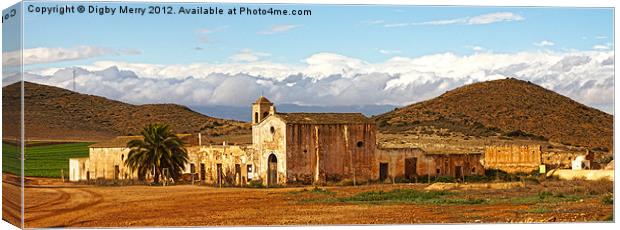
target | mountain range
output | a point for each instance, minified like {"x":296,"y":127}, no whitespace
{"x":506,"y":107}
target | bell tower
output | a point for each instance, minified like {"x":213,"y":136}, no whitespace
{"x":262,"y":108}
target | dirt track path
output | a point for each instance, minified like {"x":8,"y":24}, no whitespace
{"x":58,"y":205}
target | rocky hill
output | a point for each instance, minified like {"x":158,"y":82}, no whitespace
{"x":54,"y":113}
{"x":508,"y":108}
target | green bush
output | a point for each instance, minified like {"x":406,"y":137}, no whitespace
{"x":608,"y":199}
{"x":445,"y":179}
{"x":402,"y":180}
{"x":477,"y":178}
{"x":405,"y":195}
{"x":544,"y":194}
{"x":256,"y":184}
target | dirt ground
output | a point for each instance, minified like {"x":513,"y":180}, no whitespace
{"x":61,"y":205}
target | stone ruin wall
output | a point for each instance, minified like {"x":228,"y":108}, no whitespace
{"x":559,"y":160}
{"x":513,"y":158}
{"x":228,"y":157}
{"x":528,"y":158}
{"x":343,"y":152}
{"x":102,"y":164}
{"x":436,"y":164}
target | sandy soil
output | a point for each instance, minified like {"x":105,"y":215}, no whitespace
{"x":11,"y":202}
{"x":188,"y":205}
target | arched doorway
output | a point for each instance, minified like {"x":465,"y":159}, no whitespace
{"x":272,"y":170}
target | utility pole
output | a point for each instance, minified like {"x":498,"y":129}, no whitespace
{"x":73,"y":71}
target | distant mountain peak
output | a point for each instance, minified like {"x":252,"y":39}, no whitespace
{"x":60,"y":114}
{"x":503,"y":107}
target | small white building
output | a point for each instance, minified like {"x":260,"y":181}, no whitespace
{"x":79,"y":168}
{"x":580,"y":163}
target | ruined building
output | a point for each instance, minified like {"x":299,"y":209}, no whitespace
{"x":311,"y":147}
{"x":528,"y":158}
{"x":289,"y":148}
{"x":415,"y":163}
{"x":513,"y":158}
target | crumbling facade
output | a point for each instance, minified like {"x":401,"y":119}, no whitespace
{"x":414,"y":163}
{"x":563,"y":159}
{"x":513,"y":158}
{"x":286,"y":148}
{"x":105,"y":161}
{"x":220,"y":164}
{"x":296,"y":148}
{"x":212,"y":164}
{"x":528,"y":158}
{"x":312,"y":147}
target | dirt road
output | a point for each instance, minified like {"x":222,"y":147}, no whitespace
{"x":187,"y":205}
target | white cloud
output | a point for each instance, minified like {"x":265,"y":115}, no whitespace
{"x":494,"y":17}
{"x":600,"y":47}
{"x":396,"y":25}
{"x":388,"y":52}
{"x":279,"y":29}
{"x":334,"y":79}
{"x":544,"y":43}
{"x":475,"y":20}
{"x":42,"y":55}
{"x":247,"y":55}
{"x":476,"y":48}
{"x":601,"y":37}
{"x":374,"y":22}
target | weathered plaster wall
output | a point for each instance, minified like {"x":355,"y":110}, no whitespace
{"x":448,"y":164}
{"x":226,"y":156}
{"x":102,"y":162}
{"x":78,"y":168}
{"x":436,"y":164}
{"x":266,"y":142}
{"x":395,"y":158}
{"x":331,"y":152}
{"x":513,"y":158}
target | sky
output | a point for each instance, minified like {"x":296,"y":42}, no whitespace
{"x":339,"y":55}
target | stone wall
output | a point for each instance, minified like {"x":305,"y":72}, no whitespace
{"x":223,"y":164}
{"x":410,"y":163}
{"x":104,"y":161}
{"x":329,"y":152}
{"x":395,"y":159}
{"x":456,"y":164}
{"x":562,"y":159}
{"x":513,"y":158}
{"x":567,"y":174}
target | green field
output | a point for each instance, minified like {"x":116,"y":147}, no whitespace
{"x":10,"y":159}
{"x":42,"y":160}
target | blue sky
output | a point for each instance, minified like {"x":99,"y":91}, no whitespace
{"x":355,"y":31}
{"x":341,"y":55}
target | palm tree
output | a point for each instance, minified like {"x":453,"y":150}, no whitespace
{"x":160,"y":149}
